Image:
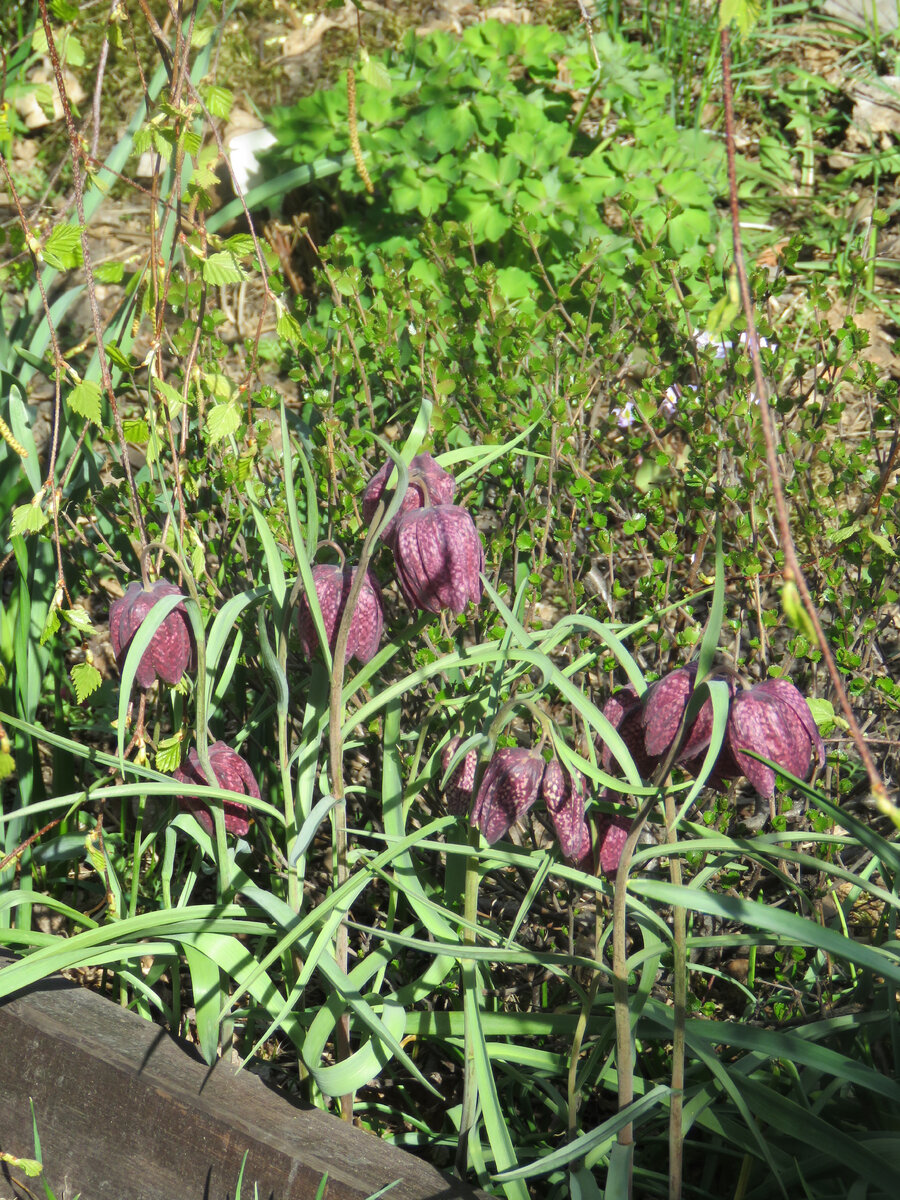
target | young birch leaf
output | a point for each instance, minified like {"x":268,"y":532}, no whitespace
{"x":222,"y":268}
{"x":168,"y":754}
{"x":28,"y":518}
{"x":219,"y":101}
{"x":62,"y":248}
{"x":85,"y":679}
{"x":84,"y":399}
{"x":222,"y":421}
{"x":78,"y":618}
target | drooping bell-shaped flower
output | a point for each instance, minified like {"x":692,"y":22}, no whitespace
{"x":429,"y":484}
{"x":563,"y":793}
{"x":439,"y":558}
{"x":458,"y":789}
{"x":333,"y":584}
{"x":664,"y":707}
{"x":508,"y":789}
{"x":625,"y":712}
{"x":169,"y":653}
{"x":232,"y":772}
{"x":772,"y":718}
{"x":612,"y":833}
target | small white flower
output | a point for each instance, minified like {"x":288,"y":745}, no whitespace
{"x":624,"y":415}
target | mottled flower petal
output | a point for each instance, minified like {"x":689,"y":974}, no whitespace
{"x":458,"y":789}
{"x":333,"y":584}
{"x":232,"y":772}
{"x":509,"y":788}
{"x":564,"y":796}
{"x":664,"y":707}
{"x":169,"y":653}
{"x":625,"y":712}
{"x":429,"y":484}
{"x":764,"y":721}
{"x":439,"y":558}
{"x":612,"y":833}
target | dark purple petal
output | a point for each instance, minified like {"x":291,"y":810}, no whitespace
{"x":429,"y":484}
{"x":784,"y":690}
{"x":762,"y":721}
{"x":458,"y":789}
{"x":509,"y":788}
{"x":612,"y":833}
{"x":664,"y":707}
{"x":564,"y":796}
{"x":333,"y":584}
{"x":233,"y":773}
{"x":170,"y":649}
{"x":625,"y":712}
{"x":439,"y":558}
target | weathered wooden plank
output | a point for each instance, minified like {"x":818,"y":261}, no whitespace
{"x":127,"y":1112}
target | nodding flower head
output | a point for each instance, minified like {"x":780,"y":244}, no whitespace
{"x":508,"y":789}
{"x":233,"y":773}
{"x":333,"y":584}
{"x":459,"y":787}
{"x":563,"y":793}
{"x":664,"y":707}
{"x":439,"y":558}
{"x":612,"y":833}
{"x":773,"y":719}
{"x":171,"y":647}
{"x":428,"y":484}
{"x":625,"y":712}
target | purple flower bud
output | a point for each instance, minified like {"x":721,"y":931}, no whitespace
{"x":564,"y":795}
{"x":439,"y":558}
{"x":429,"y":484}
{"x":458,"y":789}
{"x":170,"y":649}
{"x":664,"y":707}
{"x":625,"y":712}
{"x":773,"y":719}
{"x":612,"y":833}
{"x":233,"y":773}
{"x":509,"y":788}
{"x":333,"y":584}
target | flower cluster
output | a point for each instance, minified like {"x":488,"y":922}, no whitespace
{"x":512,"y":782}
{"x":437,"y":549}
{"x":169,"y":654}
{"x":437,"y":552}
{"x":771,"y":719}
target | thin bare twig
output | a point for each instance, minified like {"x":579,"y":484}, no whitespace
{"x":791,"y":571}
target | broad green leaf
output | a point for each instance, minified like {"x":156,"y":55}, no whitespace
{"x":218,"y":100}
{"x":223,"y":420}
{"x":28,"y":518}
{"x":78,"y":618}
{"x":84,"y":399}
{"x":85,"y":679}
{"x":62,"y":249}
{"x":222,"y":268}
